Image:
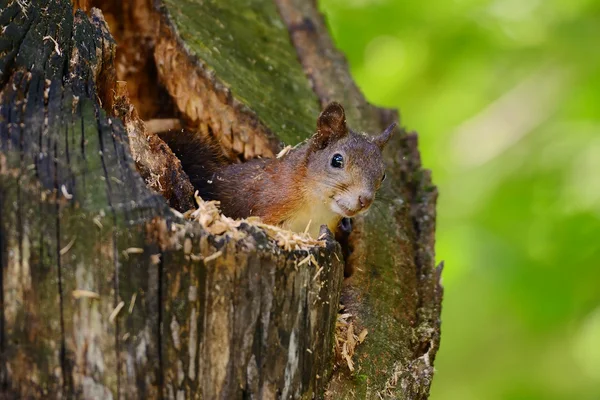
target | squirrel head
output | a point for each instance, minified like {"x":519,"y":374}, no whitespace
{"x":346,"y":168}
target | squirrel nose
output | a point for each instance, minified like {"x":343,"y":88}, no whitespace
{"x":365,"y":200}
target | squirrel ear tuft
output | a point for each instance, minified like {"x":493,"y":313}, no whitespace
{"x":382,"y":139}
{"x":331,"y":126}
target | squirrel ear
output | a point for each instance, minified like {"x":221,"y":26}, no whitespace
{"x":331,"y":126}
{"x":382,"y":139}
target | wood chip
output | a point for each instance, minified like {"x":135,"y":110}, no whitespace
{"x":317,"y":274}
{"x":284,"y":151}
{"x":80,"y":293}
{"x":209,"y":216}
{"x":362,"y":335}
{"x":66,"y":249}
{"x":155,"y":259}
{"x":347,"y":357}
{"x":350,"y":337}
{"x":115,"y":312}
{"x":175,"y":212}
{"x":65,"y":193}
{"x":56,"y":48}
{"x":97,"y":222}
{"x":132,"y":302}
{"x":304,"y":260}
{"x":218,"y":228}
{"x":132,"y":250}
{"x":346,"y":340}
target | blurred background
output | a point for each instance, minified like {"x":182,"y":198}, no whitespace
{"x":505,"y":96}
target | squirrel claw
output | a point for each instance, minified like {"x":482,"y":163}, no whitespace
{"x":346,"y":225}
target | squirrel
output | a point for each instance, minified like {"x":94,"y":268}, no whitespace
{"x":335,"y":174}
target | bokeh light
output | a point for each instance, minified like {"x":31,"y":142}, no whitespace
{"x":505,"y":96}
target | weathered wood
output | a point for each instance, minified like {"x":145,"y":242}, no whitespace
{"x":80,"y":233}
{"x":246,"y":58}
{"x":154,"y":160}
{"x":395,"y":290}
{"x":67,"y":179}
{"x":248,"y":324}
{"x":105,"y":291}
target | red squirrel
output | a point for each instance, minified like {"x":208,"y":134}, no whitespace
{"x":335,"y":174}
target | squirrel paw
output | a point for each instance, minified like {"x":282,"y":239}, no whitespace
{"x":325,"y":233}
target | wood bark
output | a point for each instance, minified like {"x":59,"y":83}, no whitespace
{"x":107,"y":292}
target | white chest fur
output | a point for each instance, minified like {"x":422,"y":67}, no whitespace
{"x":318,"y":214}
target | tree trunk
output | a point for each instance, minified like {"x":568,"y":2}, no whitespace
{"x":109,"y":292}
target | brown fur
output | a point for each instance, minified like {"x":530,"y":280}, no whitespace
{"x":289,"y":189}
{"x":268,"y":188}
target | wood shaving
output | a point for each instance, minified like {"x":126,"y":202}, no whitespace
{"x":65,"y":193}
{"x":317,"y":274}
{"x":56,"y":48}
{"x":115,"y":312}
{"x":66,"y":249}
{"x":211,"y":219}
{"x":24,"y":5}
{"x":132,"y":250}
{"x":97,"y":222}
{"x":284,"y":151}
{"x":132,"y":303}
{"x":362,"y":335}
{"x":80,"y":293}
{"x":177,"y":213}
{"x":308,"y":226}
{"x":304,"y":260}
{"x":346,"y":340}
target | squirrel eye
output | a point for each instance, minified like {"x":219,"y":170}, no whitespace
{"x":337,"y":161}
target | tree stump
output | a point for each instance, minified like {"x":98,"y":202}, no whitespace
{"x":108,"y":291}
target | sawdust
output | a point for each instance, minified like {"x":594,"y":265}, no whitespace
{"x":211,"y":219}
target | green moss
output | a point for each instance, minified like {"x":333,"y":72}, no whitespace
{"x":249,"y":49}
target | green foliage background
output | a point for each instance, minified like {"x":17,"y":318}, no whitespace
{"x":505,"y":95}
